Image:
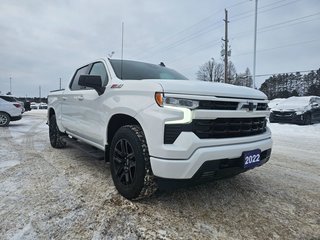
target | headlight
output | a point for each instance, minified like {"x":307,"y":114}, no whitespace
{"x":177,"y":102}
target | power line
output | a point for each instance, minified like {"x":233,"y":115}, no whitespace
{"x":198,"y":49}
{"x":190,"y":27}
{"x":283,"y":46}
{"x":202,"y":31}
{"x":214,"y":43}
{"x":292,"y":20}
{"x":275,"y":26}
{"x":250,"y":13}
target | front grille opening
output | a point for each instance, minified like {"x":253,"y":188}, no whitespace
{"x":262,"y":106}
{"x":217,"y":128}
{"x":218,"y":105}
{"x":229,"y":127}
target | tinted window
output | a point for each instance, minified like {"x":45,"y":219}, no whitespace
{"x":139,"y":70}
{"x":317,"y":100}
{"x":8,"y":99}
{"x":99,"y":69}
{"x":74,"y":84}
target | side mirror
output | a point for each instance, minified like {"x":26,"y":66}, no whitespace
{"x":315,"y":105}
{"x":92,"y":81}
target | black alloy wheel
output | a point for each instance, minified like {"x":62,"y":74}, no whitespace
{"x":124,"y":162}
{"x":130,"y":163}
{"x":54,"y":134}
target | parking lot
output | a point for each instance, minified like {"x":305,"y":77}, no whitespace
{"x":47,"y":193}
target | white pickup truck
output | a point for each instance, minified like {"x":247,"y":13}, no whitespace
{"x":153,"y":124}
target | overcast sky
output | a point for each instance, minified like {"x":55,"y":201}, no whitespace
{"x":41,"y":41}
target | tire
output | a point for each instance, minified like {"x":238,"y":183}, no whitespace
{"x":55,"y":134}
{"x":307,"y":119}
{"x":130,"y":163}
{"x":4,"y":119}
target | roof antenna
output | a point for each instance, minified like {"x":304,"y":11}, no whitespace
{"x":122,"y":50}
{"x":111,"y":54}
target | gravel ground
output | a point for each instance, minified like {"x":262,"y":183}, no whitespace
{"x":47,"y":193}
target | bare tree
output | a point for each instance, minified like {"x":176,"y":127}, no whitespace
{"x":213,"y":71}
{"x":206,"y":71}
{"x":232,"y":73}
{"x":218,"y":72}
{"x":249,"y":81}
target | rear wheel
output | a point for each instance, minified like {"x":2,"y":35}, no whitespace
{"x":4,"y":119}
{"x":55,"y":134}
{"x":130,"y":163}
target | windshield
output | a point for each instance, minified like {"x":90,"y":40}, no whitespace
{"x":132,"y":70}
{"x":294,"y":102}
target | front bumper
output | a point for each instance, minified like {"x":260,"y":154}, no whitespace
{"x":287,"y":118}
{"x":216,"y":155}
{"x":16,"y":118}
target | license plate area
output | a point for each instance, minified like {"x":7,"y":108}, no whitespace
{"x":252,"y":158}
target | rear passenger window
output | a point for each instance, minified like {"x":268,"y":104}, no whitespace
{"x":99,"y":70}
{"x":74,"y":84}
{"x":8,"y":99}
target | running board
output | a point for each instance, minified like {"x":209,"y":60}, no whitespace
{"x":89,"y":150}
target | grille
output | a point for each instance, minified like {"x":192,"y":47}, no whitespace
{"x":229,"y":127}
{"x":218,"y":105}
{"x":262,"y":106}
{"x":217,"y":128}
{"x":282,"y":116}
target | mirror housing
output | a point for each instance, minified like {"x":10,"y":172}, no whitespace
{"x":315,"y":105}
{"x":92,"y":81}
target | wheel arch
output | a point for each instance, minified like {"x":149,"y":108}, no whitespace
{"x":51,"y":112}
{"x":117,"y":121}
{"x":6,"y":113}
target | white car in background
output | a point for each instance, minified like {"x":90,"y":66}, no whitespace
{"x":10,"y":110}
{"x":33,"y":105}
{"x":274,"y":102}
{"x":43,"y":105}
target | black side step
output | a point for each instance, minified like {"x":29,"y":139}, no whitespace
{"x":89,"y":150}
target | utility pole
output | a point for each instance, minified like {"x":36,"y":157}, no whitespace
{"x":40,"y":93}
{"x":226,"y":41}
{"x":60,"y":85}
{"x":255,"y":44}
{"x":10,"y":87}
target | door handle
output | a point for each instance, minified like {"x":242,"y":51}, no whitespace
{"x":80,"y":98}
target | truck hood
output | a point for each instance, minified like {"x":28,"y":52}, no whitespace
{"x":196,"y":87}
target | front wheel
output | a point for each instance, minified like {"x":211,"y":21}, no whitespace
{"x":307,"y":119}
{"x":55,"y":134}
{"x":4,"y":119}
{"x":130,"y":163}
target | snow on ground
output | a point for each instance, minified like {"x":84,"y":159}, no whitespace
{"x":48,"y":193}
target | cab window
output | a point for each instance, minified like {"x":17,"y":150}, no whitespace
{"x":99,"y":69}
{"x":81,"y":71}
